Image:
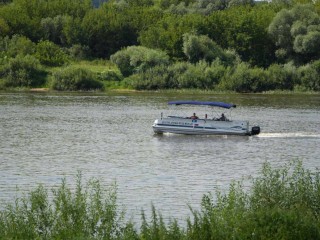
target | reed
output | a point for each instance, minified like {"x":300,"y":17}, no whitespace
{"x":282,"y":203}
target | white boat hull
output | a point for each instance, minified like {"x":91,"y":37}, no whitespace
{"x":179,"y":125}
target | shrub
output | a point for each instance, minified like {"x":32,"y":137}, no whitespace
{"x":23,"y":71}
{"x":79,"y":52}
{"x":16,"y":45}
{"x":135,"y":59}
{"x":215,"y":73}
{"x":282,"y":77}
{"x":242,"y":78}
{"x":4,"y":27}
{"x":88,"y":212}
{"x":309,"y":76}
{"x":152,"y":79}
{"x":73,"y":79}
{"x":157,"y":229}
{"x":283,"y":203}
{"x":201,"y":47}
{"x":50,"y":54}
{"x":201,"y":75}
{"x":193,"y":76}
{"x":179,"y":75}
{"x":109,"y":75}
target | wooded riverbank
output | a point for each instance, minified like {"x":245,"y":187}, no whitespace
{"x":237,"y":46}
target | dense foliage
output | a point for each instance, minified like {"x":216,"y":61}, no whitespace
{"x":281,"y":203}
{"x":262,"y":38}
{"x":74,"y":79}
{"x":22,"y":71}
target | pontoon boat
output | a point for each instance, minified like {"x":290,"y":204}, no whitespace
{"x":203,"y":126}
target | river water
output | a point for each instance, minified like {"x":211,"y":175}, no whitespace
{"x":45,"y":137}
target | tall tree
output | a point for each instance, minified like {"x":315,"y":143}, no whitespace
{"x":167,"y":33}
{"x":296,"y":33}
{"x":243,"y":29}
{"x":110,"y":28}
{"x":201,"y":47}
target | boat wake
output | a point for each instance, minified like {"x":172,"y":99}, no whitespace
{"x":289,"y":135}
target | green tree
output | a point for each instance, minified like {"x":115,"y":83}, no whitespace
{"x":24,"y":16}
{"x":206,"y":7}
{"x":243,"y":29}
{"x":73,"y":31}
{"x":19,"y":22}
{"x":296,"y":33}
{"x":198,"y":48}
{"x":133,"y":3}
{"x":167,"y":33}
{"x":36,"y":9}
{"x":110,"y":28}
{"x":52,"y":29}
{"x":234,"y":3}
{"x":4,"y":27}
{"x":201,"y":47}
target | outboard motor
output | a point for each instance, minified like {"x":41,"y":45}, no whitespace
{"x":255,"y":130}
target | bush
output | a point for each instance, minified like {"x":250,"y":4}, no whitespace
{"x":178,"y":76}
{"x":201,"y":75}
{"x":86,"y":213}
{"x":135,"y":59}
{"x":242,"y":78}
{"x":282,"y":77}
{"x":152,"y":79}
{"x":281,"y":203}
{"x":193,"y":77}
{"x":16,"y":45}
{"x":215,"y":73}
{"x":109,"y":75}
{"x":198,"y":48}
{"x":79,"y":52}
{"x":50,"y":54}
{"x":309,"y":76}
{"x":73,"y":79}
{"x":23,"y":71}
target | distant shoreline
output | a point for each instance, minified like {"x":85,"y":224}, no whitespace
{"x":39,"y":89}
{"x":168,"y":91}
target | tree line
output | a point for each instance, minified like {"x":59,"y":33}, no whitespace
{"x":237,"y":45}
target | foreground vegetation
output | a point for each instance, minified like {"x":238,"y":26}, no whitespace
{"x":231,"y":45}
{"x":282,"y":203}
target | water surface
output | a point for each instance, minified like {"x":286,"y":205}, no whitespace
{"x":45,"y":137}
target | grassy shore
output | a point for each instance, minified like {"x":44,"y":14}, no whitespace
{"x":108,"y":77}
{"x":282,"y":203}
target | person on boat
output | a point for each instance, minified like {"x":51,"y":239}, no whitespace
{"x":223,"y":117}
{"x":194,"y":116}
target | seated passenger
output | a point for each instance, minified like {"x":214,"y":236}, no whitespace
{"x":223,"y":117}
{"x":194,"y":116}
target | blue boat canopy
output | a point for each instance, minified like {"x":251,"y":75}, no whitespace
{"x":214,"y":104}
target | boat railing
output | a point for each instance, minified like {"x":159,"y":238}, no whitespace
{"x":175,"y":116}
{"x":214,"y":119}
